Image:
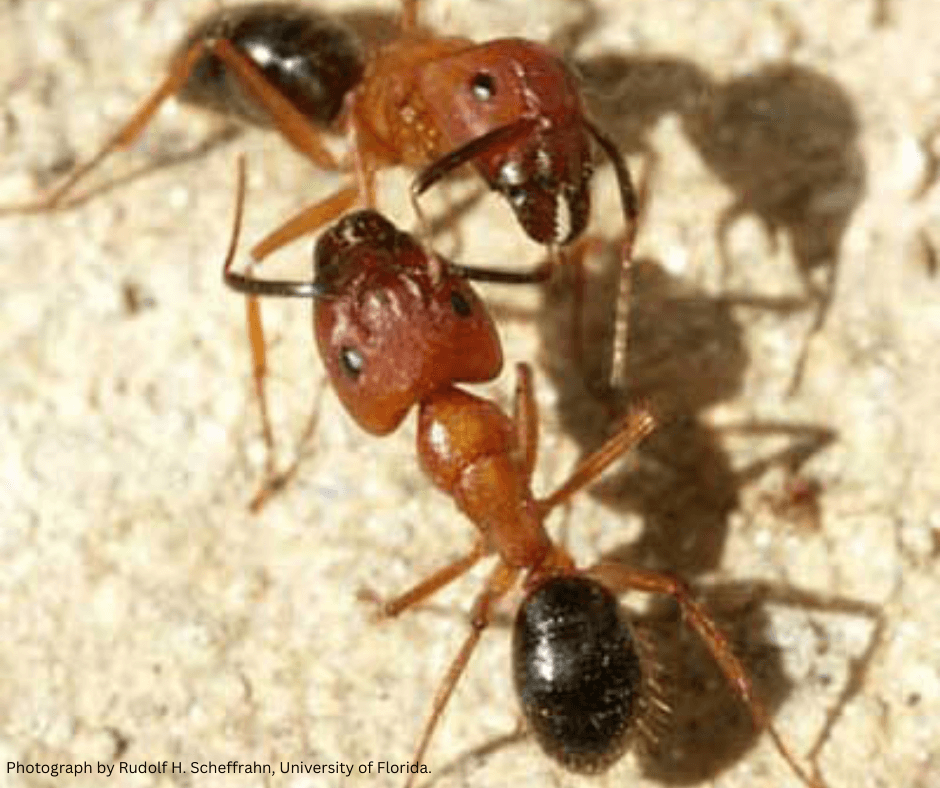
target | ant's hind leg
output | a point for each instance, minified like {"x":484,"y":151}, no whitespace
{"x":619,"y":578}
{"x":132,"y":128}
{"x":285,"y":117}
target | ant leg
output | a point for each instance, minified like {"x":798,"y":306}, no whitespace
{"x":525,"y":419}
{"x":497,"y":585}
{"x":179,"y":73}
{"x":363,"y":164}
{"x":255,"y":329}
{"x":427,"y":587}
{"x":409,"y":15}
{"x":306,"y":221}
{"x":619,"y":578}
{"x":277,"y":481}
{"x":296,"y":129}
{"x":287,"y":119}
{"x":274,"y":481}
{"x":315,"y":216}
{"x":637,"y":424}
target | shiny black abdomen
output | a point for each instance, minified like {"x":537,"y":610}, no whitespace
{"x":309,"y":57}
{"x":577,"y":672}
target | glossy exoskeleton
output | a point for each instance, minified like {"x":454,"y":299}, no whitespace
{"x":578,"y":672}
{"x":311,"y":58}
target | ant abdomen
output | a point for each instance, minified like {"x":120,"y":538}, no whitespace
{"x":578,"y":672}
{"x":312,"y":59}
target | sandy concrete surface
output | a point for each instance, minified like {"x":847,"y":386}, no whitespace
{"x":147,"y":616}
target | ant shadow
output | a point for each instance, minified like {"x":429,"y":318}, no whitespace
{"x":783,"y":138}
{"x":687,"y":354}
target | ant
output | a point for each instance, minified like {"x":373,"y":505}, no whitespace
{"x":511,"y":107}
{"x":393,"y":323}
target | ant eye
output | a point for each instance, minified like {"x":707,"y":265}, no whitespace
{"x":483,"y":87}
{"x":352,"y":362}
{"x":459,"y":304}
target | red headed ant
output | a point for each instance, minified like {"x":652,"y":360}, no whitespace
{"x":393,"y":324}
{"x":511,"y":107}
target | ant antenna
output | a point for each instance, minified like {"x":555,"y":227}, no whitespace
{"x":618,"y":361}
{"x":245,"y":283}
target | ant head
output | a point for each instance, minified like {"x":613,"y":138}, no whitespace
{"x":396,"y":326}
{"x":355,"y":234}
{"x":514,"y":108}
{"x":577,"y":671}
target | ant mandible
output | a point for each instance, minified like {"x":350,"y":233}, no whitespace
{"x":393,"y":324}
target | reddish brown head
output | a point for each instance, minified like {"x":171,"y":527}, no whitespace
{"x":519,"y":106}
{"x":396,"y":328}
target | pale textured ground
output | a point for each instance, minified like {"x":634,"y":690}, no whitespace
{"x":147,"y":616}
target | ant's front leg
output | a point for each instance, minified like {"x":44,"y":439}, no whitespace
{"x":253,"y":288}
{"x":525,"y":419}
